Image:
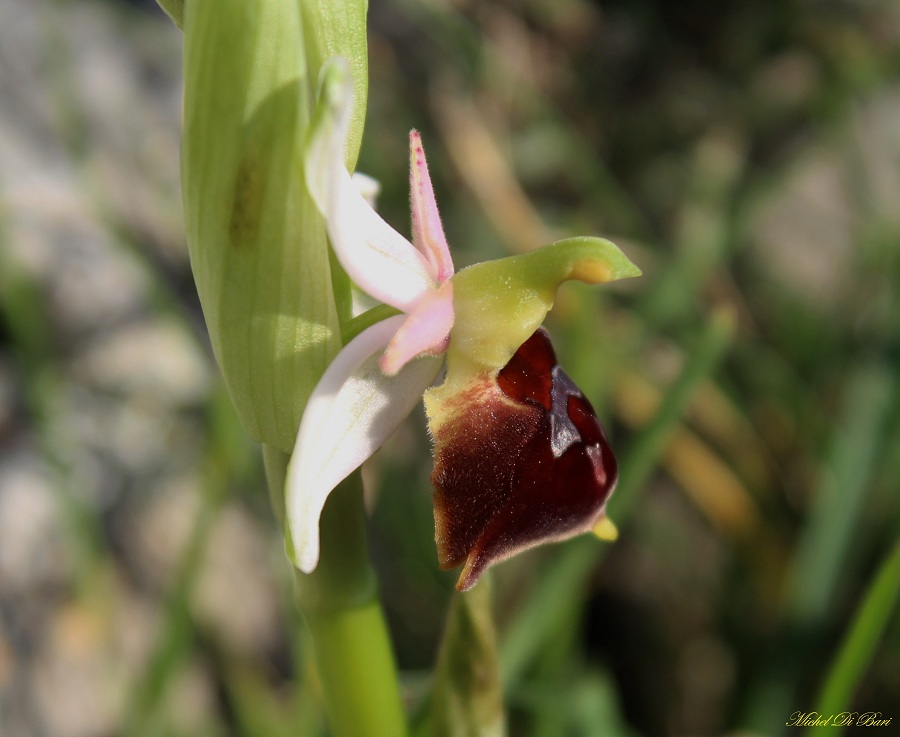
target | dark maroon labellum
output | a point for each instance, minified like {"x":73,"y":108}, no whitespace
{"x":523,"y":461}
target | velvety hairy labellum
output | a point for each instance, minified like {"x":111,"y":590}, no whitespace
{"x":522,"y":460}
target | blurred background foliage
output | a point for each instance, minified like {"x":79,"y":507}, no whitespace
{"x":746,"y":155}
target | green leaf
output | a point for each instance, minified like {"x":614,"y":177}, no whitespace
{"x":257,"y":243}
{"x":835,"y":519}
{"x":468,"y":699}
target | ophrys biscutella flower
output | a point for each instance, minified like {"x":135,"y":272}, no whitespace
{"x":521,"y":462}
{"x":520,"y":457}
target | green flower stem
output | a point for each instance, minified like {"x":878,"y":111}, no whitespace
{"x":467,"y":698}
{"x":339,"y":603}
{"x":353,"y":327}
{"x":356,"y":667}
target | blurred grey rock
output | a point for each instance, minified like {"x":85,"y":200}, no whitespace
{"x":33,"y":537}
{"x":804,"y":230}
{"x":809,"y":232}
{"x":237,"y":596}
{"x":154,"y":358}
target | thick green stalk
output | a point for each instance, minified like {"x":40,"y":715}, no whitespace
{"x":340,"y":606}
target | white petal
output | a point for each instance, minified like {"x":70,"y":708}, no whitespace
{"x":368,"y":187}
{"x":351,"y":412}
{"x":375,"y":256}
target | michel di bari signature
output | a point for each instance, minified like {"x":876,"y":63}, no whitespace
{"x":841,"y":719}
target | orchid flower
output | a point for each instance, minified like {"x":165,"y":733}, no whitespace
{"x":520,"y":456}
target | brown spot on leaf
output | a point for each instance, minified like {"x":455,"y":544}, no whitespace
{"x":246,"y":205}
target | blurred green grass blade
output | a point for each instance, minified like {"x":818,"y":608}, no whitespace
{"x":862,"y":638}
{"x":833,"y":522}
{"x":555,"y":665}
{"x":830,"y":539}
{"x":583,"y":704}
{"x":225,"y":458}
{"x":23,"y":312}
{"x":704,"y":234}
{"x":546,"y":607}
{"x":564,"y":577}
{"x":596,"y":710}
{"x":305,"y":716}
{"x":643,"y":455}
{"x":259,"y":710}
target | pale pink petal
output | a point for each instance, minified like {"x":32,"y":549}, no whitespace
{"x":425,"y":330}
{"x":376,"y":257}
{"x":428,"y":233}
{"x":351,"y":412}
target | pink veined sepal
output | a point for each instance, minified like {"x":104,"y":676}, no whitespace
{"x":428,"y":232}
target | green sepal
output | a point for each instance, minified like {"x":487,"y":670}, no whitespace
{"x":338,"y":28}
{"x":257,"y":244}
{"x":499,"y":304}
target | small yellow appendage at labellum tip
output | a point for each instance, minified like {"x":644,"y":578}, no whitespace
{"x":591,"y":272}
{"x":605,"y":529}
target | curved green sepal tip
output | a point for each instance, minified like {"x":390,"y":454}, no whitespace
{"x":338,"y":28}
{"x":499,"y":304}
{"x":335,"y":77}
{"x":174,"y":9}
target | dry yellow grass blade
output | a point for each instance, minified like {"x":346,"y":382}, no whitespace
{"x":712,"y":486}
{"x":488,"y":175}
{"x":716,"y":416}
